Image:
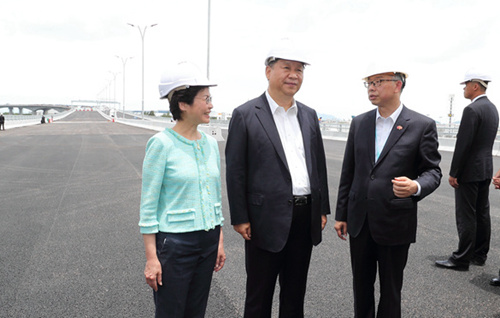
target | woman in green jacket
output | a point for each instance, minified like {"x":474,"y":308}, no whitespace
{"x":180,"y":216}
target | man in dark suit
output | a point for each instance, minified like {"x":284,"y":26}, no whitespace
{"x":470,"y":175}
{"x":277,"y":186}
{"x":495,"y":281}
{"x":391,"y":162}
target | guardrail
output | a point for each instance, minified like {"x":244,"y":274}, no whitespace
{"x":329,"y":130}
{"x":14,"y":121}
{"x":160,"y":123}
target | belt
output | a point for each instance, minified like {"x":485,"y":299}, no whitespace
{"x":299,"y":200}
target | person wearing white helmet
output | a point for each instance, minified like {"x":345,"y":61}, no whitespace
{"x":391,"y":162}
{"x":470,"y":174}
{"x":180,"y":213}
{"x":277,"y":186}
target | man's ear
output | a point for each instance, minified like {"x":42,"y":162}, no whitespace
{"x":399,"y":86}
{"x":268,"y":72}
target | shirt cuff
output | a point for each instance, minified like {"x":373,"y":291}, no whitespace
{"x":419,"y":190}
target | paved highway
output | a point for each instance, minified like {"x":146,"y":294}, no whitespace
{"x":70,"y":244}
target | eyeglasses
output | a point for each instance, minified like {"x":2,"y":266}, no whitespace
{"x":208,"y":99}
{"x":378,"y":82}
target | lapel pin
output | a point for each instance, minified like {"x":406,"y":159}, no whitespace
{"x":399,"y":127}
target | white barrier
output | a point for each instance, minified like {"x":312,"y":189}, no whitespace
{"x":16,"y":121}
{"x":339,"y":133}
{"x":159,"y":125}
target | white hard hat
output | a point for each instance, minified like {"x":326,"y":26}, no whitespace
{"x":477,"y":75}
{"x":376,"y":69}
{"x":285,"y":49}
{"x":181,"y":76}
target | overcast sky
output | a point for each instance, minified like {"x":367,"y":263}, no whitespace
{"x":57,"y":51}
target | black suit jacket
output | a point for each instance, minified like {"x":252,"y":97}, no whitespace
{"x":366,"y":190}
{"x":472,"y":158}
{"x":259,"y":183}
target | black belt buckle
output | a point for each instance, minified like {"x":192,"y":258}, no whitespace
{"x":300,"y":200}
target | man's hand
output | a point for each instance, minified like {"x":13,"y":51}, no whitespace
{"x":244,"y":229}
{"x":404,"y":187}
{"x":453,"y":182}
{"x":323,"y":222}
{"x":341,"y":228}
{"x":496,"y":180}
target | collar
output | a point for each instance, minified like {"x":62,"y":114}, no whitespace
{"x":274,"y":106}
{"x":478,"y":97}
{"x":394,"y":115}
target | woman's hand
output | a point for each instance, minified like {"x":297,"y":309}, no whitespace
{"x":221,"y":255}
{"x":152,"y":272}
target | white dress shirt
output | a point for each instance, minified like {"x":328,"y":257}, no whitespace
{"x":478,"y":97}
{"x":290,"y":134}
{"x":383,"y":128}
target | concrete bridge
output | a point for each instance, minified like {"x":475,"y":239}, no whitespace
{"x":36,"y":107}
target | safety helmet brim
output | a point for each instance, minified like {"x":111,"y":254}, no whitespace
{"x":285,"y":49}
{"x":182,"y":76}
{"x":476,"y":75}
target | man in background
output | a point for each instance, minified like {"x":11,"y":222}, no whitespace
{"x":470,"y":175}
{"x":495,"y":281}
{"x":2,"y":122}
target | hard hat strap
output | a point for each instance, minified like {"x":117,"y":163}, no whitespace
{"x":180,"y":88}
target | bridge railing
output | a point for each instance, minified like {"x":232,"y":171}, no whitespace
{"x":331,"y":130}
{"x":160,"y":123}
{"x":13,"y":121}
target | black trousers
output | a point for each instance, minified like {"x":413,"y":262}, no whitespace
{"x":291,"y":265}
{"x":366,"y":254}
{"x":472,"y":212}
{"x":188,"y":261}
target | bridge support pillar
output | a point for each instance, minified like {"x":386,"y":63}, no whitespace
{"x":11,"y":110}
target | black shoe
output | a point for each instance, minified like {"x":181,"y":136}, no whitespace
{"x":495,"y":281}
{"x":477,"y":262}
{"x":450,"y":265}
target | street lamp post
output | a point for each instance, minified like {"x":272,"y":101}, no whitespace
{"x":143,"y":33}
{"x":114,"y":93}
{"x":208,"y":41}
{"x":450,"y":114}
{"x":124,"y":62}
{"x":114,"y":85}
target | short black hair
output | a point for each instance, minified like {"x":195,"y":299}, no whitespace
{"x":183,"y":96}
{"x":272,"y":60}
{"x":400,"y":77}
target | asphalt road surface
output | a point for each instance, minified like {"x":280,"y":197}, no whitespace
{"x":70,"y":244}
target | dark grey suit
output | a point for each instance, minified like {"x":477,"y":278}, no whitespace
{"x":381,"y":226}
{"x":259,"y":187}
{"x":472,"y":165}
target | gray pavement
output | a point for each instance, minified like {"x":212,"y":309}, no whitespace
{"x":70,"y":244}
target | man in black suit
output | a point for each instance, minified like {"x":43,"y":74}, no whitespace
{"x":391,"y":162}
{"x":277,"y":186}
{"x":495,"y":281}
{"x":470,"y":175}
